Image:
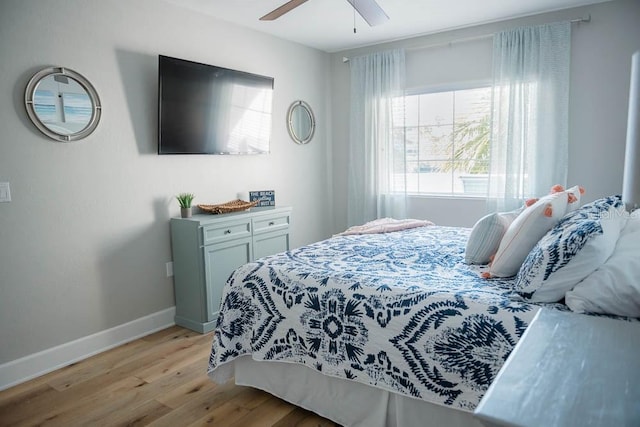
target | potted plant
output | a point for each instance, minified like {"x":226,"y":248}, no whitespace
{"x":185,"y":199}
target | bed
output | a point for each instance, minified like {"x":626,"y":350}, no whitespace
{"x":397,"y":315}
{"x":396,"y":329}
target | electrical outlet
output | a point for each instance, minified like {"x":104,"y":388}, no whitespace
{"x":169,"y":267}
{"x":5,"y":192}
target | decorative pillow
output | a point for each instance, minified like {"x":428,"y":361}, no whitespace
{"x":486,"y":235}
{"x":570,"y":251}
{"x":614,"y":288}
{"x":574,"y":195}
{"x":632,"y":224}
{"x":595,"y":209}
{"x":525,"y":231}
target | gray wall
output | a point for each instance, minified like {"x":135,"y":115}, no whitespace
{"x":83,"y":244}
{"x":600,"y":72}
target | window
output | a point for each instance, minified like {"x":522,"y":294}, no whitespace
{"x":441,"y":142}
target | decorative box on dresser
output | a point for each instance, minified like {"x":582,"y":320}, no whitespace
{"x":207,"y":248}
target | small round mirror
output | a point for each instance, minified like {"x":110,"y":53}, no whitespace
{"x":301,"y":122}
{"x":62,"y":104}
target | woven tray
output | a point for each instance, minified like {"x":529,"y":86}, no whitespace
{"x":233,"y":206}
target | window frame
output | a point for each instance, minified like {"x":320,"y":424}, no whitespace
{"x":440,"y":88}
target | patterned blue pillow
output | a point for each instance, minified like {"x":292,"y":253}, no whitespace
{"x":593,"y":210}
{"x":539,"y":279}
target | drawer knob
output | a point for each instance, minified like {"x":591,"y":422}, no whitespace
{"x":272,"y":223}
{"x":227,"y":232}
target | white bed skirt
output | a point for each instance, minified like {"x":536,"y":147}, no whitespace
{"x":348,"y":403}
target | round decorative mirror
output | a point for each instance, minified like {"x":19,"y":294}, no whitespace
{"x":62,"y":104}
{"x":301,"y":122}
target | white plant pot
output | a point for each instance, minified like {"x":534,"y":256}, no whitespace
{"x":475,"y":184}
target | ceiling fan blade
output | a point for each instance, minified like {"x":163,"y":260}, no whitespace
{"x":287,"y":7}
{"x":370,"y":11}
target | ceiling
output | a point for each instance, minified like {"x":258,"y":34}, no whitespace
{"x":328,"y":24}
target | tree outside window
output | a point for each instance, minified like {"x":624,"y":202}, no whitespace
{"x":442,"y":145}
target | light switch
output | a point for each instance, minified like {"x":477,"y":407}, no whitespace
{"x":169,"y":267}
{"x":5,"y":192}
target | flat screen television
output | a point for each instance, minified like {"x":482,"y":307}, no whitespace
{"x":204,"y":109}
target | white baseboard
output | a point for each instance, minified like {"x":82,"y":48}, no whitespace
{"x":34,"y":365}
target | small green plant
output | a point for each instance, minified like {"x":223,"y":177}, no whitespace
{"x":185,"y":199}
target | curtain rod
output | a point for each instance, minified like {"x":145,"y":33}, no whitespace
{"x":472,"y":38}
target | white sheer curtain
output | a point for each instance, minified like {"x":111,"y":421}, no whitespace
{"x":530,"y":134}
{"x":374,"y":190}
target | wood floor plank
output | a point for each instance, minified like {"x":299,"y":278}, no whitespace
{"x":223,"y":415}
{"x":268,"y":413}
{"x":158,"y":380}
{"x":300,"y":417}
{"x":56,"y":400}
{"x":144,"y":359}
{"x":199,"y":406}
{"x":186,"y":391}
{"x":154,"y":354}
{"x":61,"y":409}
{"x":94,"y":366}
{"x":195,"y":371}
{"x":141,"y":415}
{"x":13,"y":400}
{"x":24,"y":390}
{"x":134,"y":397}
{"x":174,"y":361}
{"x":293,"y":418}
{"x":251,"y":398}
{"x":76,"y":396}
{"x":173,"y":333}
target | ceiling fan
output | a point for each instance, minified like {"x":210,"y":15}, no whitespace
{"x":368,"y":9}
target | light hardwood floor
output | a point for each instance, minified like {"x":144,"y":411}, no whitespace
{"x":158,"y":380}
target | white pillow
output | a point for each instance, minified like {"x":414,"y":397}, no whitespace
{"x":575,"y":204}
{"x":632,"y":224}
{"x":614,"y":288}
{"x":486,"y":235}
{"x":525,"y":231}
{"x":568,"y":253}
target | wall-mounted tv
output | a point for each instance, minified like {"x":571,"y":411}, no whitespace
{"x":204,"y":109}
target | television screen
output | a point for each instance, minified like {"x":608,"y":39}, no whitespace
{"x":203,"y":109}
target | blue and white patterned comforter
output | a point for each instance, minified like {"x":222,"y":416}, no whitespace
{"x":398,"y":311}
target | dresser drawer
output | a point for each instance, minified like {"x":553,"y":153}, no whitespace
{"x":271,"y":223}
{"x":215,"y":233}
